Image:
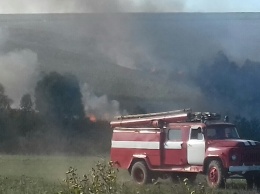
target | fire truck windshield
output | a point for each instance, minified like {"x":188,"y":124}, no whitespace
{"x":222,"y":132}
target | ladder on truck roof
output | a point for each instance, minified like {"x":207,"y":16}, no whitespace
{"x":160,"y":118}
{"x":153,"y":114}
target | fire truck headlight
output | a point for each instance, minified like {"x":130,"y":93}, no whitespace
{"x":233,"y":157}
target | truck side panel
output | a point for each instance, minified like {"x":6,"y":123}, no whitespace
{"x":175,"y":146}
{"x":126,"y":145}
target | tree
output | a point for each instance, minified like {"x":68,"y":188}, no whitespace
{"x":26,"y":102}
{"x":231,"y":84}
{"x":58,"y":97}
{"x":248,"y":128}
{"x":5,"y":101}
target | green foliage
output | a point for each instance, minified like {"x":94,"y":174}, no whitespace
{"x":101,"y":180}
{"x":5,"y":101}
{"x":26,"y":185}
{"x":230,"y":84}
{"x":43,"y":175}
{"x":58,"y":97}
{"x":58,"y":124}
{"x":26,"y":102}
{"x":248,"y":128}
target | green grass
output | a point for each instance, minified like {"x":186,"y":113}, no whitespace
{"x":27,"y":185}
{"x":40,"y":174}
{"x":50,"y":168}
{"x":46,"y":174}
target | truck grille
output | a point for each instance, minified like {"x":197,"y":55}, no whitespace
{"x":251,"y":157}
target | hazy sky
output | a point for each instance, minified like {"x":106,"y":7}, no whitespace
{"x":72,"y":6}
{"x":223,"y":5}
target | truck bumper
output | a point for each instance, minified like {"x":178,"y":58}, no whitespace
{"x":243,"y":169}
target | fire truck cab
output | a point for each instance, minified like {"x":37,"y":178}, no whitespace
{"x":180,"y":144}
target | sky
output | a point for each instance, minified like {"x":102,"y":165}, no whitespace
{"x":204,"y":5}
{"x":89,"y":6}
{"x":222,"y":6}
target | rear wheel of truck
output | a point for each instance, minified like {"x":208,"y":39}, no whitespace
{"x":215,"y":174}
{"x":140,"y":173}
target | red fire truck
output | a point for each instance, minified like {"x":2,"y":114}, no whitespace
{"x":180,"y":144}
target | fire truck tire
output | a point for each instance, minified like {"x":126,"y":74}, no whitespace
{"x":140,"y":173}
{"x":215,"y":174}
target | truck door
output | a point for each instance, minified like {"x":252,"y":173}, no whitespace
{"x":174,"y":151}
{"x":196,"y":147}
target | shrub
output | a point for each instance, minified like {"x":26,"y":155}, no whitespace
{"x":101,"y":180}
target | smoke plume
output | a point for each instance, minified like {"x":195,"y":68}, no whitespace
{"x":105,"y":6}
{"x":87,"y":6}
{"x":17,"y":74}
{"x":101,"y":107}
{"x":147,"y":60}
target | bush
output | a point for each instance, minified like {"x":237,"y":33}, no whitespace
{"x":101,"y":180}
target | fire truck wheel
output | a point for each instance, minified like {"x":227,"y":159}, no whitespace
{"x":140,"y":173}
{"x":215,"y":174}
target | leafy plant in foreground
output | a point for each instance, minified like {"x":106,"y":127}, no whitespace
{"x":101,"y":180}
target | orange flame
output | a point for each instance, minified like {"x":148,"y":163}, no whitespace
{"x":92,"y":118}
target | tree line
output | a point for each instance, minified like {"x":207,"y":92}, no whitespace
{"x":235,"y":88}
{"x":53,"y":122}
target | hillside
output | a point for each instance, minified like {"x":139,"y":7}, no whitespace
{"x":137,"y":59}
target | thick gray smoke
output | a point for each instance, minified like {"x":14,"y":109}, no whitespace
{"x":88,"y":6}
{"x":18,"y":69}
{"x":108,"y":6}
{"x":17,"y":74}
{"x":145,"y":60}
{"x":101,"y":107}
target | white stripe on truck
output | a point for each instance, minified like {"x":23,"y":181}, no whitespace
{"x":252,"y":142}
{"x":173,"y":145}
{"x":136,"y":144}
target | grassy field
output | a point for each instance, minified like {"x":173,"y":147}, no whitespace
{"x":50,"y":168}
{"x":39,"y":174}
{"x":46,"y":174}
